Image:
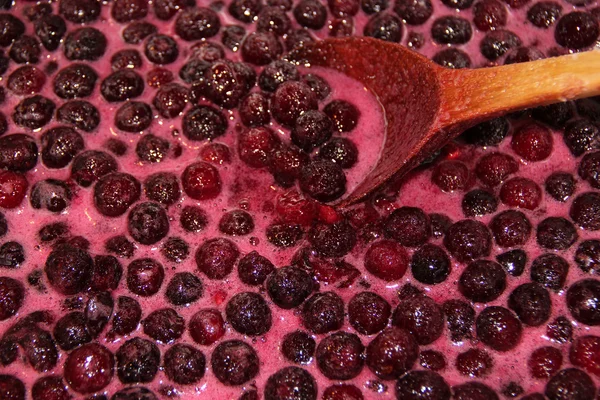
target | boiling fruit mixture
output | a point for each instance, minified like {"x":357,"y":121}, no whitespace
{"x":167,"y":228}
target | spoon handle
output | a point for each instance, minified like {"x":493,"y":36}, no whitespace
{"x":470,"y":96}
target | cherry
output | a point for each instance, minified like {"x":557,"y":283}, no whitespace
{"x":467,"y":240}
{"x":499,"y":328}
{"x":510,"y":228}
{"x":33,"y":112}
{"x":98,"y":311}
{"x":340,"y":356}
{"x":89,"y":368}
{"x":386,"y":260}
{"x":335,"y":240}
{"x":479,"y":202}
{"x":298,"y":347}
{"x":203,"y":122}
{"x":531,"y":302}
{"x":131,"y":393}
{"x":137,"y":361}
{"x":12,"y":293}
{"x":50,"y":388}
{"x":234,"y":362}
{"x":79,"y":11}
{"x":432,"y":360}
{"x":571,"y":382}
{"x":164,"y":325}
{"x":533,"y":142}
{"x":167,"y":9}
{"x":127,"y":58}
{"x":11,"y":255}
{"x":120,"y":246}
{"x":26,"y":80}
{"x":261,"y":48}
{"x":583,"y":300}
{"x":451,"y":175}
{"x":145,"y":276}
{"x":162,"y":187}
{"x":489,"y":15}
{"x":513,"y":261}
{"x":430,"y":264}
{"x":133,"y":116}
{"x":497,"y":43}
{"x":342,"y":392}
{"x":170,"y":100}
{"x":368,"y":313}
{"x":91,"y":165}
{"x":256,"y":145}
{"x":589,"y":168}
{"x":576,"y":30}
{"x":323,"y":312}
{"x":482,"y":281}
{"x":584,"y":353}
{"x":253,"y":269}
{"x":107,"y":273}
{"x":11,"y":28}
{"x":550,"y":270}
{"x":13,"y":188}
{"x":291,"y":380}
{"x":585,"y":211}
{"x":323,"y":180}
{"x":85,"y":44}
{"x":422,"y":317}
{"x":474,"y":363}
{"x":184,"y":364}
{"x":521,"y":192}
{"x":216,"y":153}
{"x":560,"y":186}
{"x":544,"y":14}
{"x":312,"y":129}
{"x":587,"y":256}
{"x":25,"y":50}
{"x":206,"y":326}
{"x":201,"y":181}
{"x":11,"y":388}
{"x":408,"y":225}
{"x":223,"y":84}
{"x":474,"y":391}
{"x":53,"y":231}
{"x":289,"y":286}
{"x":249,"y":314}
{"x":555,"y":115}
{"x":60,"y":145}
{"x":161,"y":49}
{"x":392,"y":353}
{"x":151,"y":148}
{"x":175,"y":249}
{"x":544,"y":362}
{"x":50,"y":194}
{"x":494,"y":168}
{"x":184,"y":288}
{"x":341,"y":151}
{"x":193,"y":219}
{"x":414,"y":12}
{"x":384,"y":26}
{"x":556,"y":233}
{"x":197,"y":23}
{"x":254,"y":110}
{"x":292,"y":99}
{"x":69,"y":269}
{"x":232,"y":36}
{"x":18,"y":152}
{"x":581,"y":135}
{"x":216,"y":257}
{"x":122,"y":85}
{"x":451,"y":30}
{"x":452,"y":58}
{"x":137,"y":31}
{"x":523,"y":54}
{"x":148,"y":223}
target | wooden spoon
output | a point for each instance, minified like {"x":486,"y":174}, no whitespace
{"x":426,"y":105}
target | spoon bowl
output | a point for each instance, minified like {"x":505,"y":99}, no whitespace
{"x":426,"y":105}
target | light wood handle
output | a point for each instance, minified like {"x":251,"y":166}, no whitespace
{"x":479,"y":94}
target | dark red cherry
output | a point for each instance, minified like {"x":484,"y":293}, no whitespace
{"x":340,"y":356}
{"x":164,"y":325}
{"x":216,"y":257}
{"x":206,"y":326}
{"x":392,"y":353}
{"x":533,"y":142}
{"x":201,"y":181}
{"x":386,"y":260}
{"x":291,"y":380}
{"x":544,"y":362}
{"x":89,"y":368}
{"x":137,"y":361}
{"x":571,"y":382}
{"x":145,"y":277}
{"x":451,"y":175}
{"x":234,"y":362}
{"x":499,"y":328}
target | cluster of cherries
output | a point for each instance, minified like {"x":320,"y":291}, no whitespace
{"x":202,"y":76}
